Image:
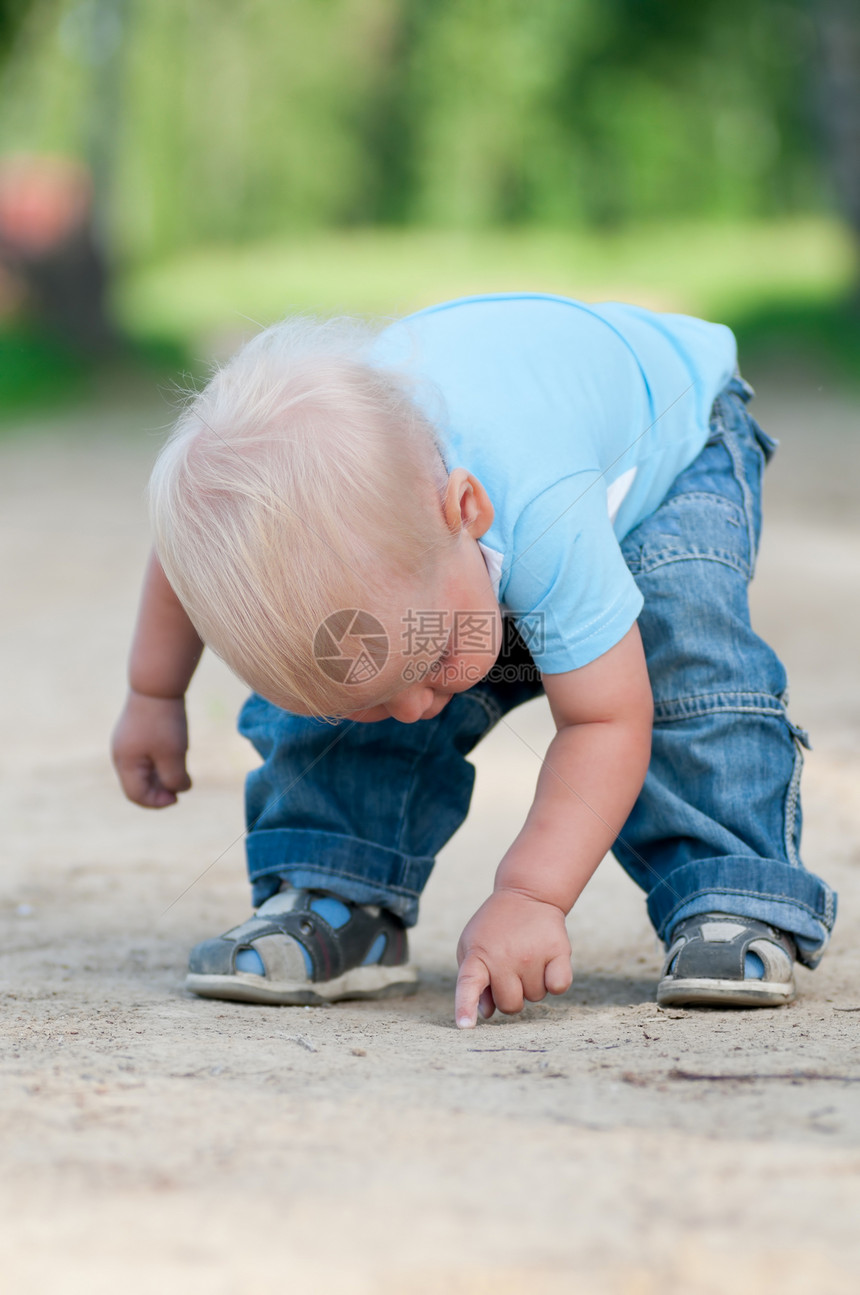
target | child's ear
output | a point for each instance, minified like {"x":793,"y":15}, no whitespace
{"x":467,"y":505}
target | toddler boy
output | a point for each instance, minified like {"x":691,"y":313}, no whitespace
{"x":394,"y":540}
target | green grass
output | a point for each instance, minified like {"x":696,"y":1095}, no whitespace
{"x":36,"y":370}
{"x":718,"y":271}
{"x":39,"y":373}
{"x":784,"y":287}
{"x":807,"y":335}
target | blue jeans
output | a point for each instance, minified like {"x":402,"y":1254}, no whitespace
{"x":363,"y":809}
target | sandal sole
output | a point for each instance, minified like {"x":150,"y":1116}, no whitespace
{"x":361,"y":982}
{"x":724,"y":993}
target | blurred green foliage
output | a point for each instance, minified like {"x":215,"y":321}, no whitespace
{"x":247,"y":119}
{"x":783,"y":286}
{"x":35,"y":369}
{"x":253,"y":157}
{"x":779,"y":285}
{"x":714,"y":269}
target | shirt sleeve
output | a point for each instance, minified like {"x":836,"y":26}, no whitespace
{"x":566,"y":582}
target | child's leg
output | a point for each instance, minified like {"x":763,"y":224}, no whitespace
{"x":717,"y":825}
{"x":358,"y":812}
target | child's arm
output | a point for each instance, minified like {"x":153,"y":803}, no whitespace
{"x":151,"y":736}
{"x":516,"y":945}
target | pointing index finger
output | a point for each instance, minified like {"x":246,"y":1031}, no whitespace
{"x":472,"y":981}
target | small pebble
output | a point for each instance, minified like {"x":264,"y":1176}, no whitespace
{"x":359,"y":1052}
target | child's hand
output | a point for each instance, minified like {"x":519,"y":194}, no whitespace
{"x":514,"y":948}
{"x":148,"y":749}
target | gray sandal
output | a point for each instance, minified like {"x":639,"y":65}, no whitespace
{"x":304,"y":947}
{"x":725,"y":961}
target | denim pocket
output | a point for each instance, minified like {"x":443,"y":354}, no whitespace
{"x":799,"y":734}
{"x":692,"y":525}
{"x":702,"y":705}
{"x":767,"y":444}
{"x":730,"y":416}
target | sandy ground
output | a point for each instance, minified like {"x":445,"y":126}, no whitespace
{"x":154,"y":1141}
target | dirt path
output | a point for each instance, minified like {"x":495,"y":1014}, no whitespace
{"x":153,"y":1141}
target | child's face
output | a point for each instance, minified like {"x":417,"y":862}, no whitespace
{"x":448,"y":634}
{"x":441,"y":645}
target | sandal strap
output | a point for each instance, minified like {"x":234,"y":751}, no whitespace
{"x":332,"y":950}
{"x":715,"y":945}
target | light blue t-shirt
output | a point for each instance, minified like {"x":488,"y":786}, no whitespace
{"x":576,"y":419}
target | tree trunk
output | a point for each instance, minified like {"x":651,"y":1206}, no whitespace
{"x":838,"y":23}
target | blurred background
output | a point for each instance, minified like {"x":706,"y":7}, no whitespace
{"x":174,"y":172}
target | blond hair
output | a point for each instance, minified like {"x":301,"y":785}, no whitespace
{"x":301,"y":480}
